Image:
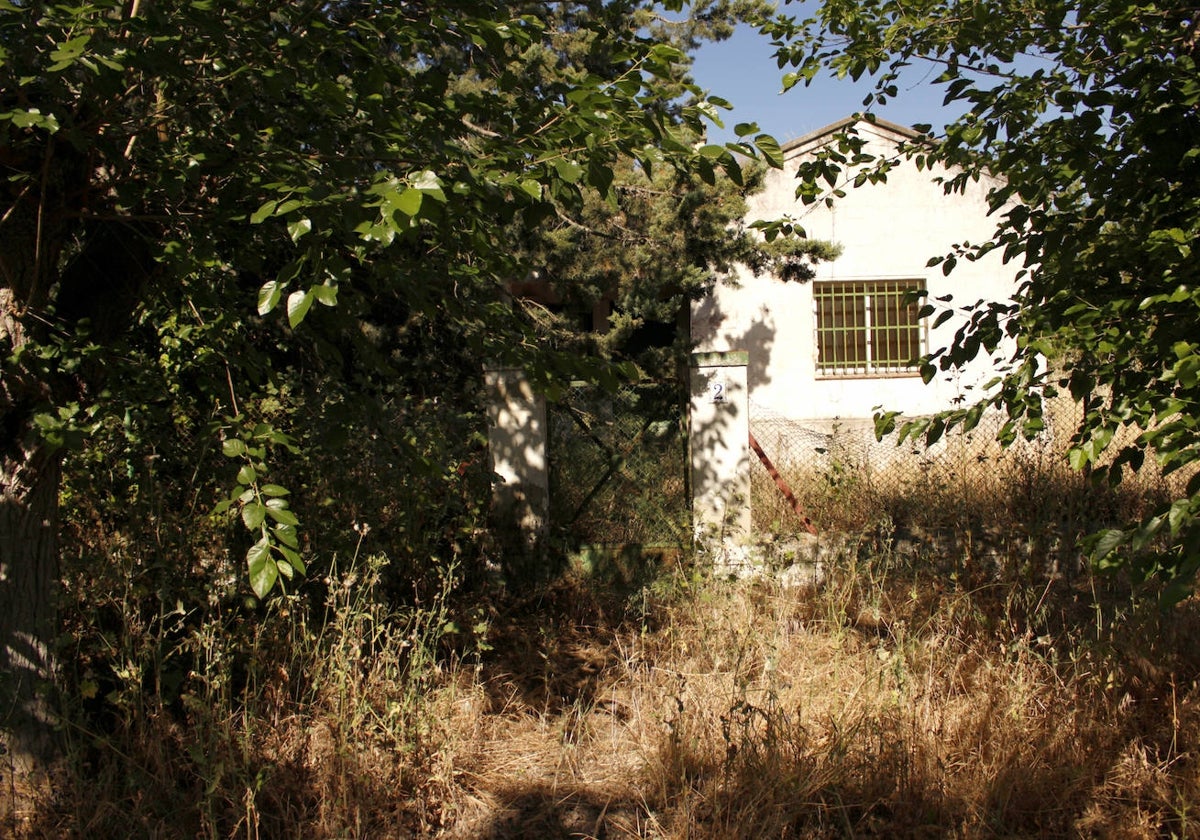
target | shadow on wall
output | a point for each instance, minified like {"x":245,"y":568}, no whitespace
{"x":757,"y":340}
{"x":720,"y":452}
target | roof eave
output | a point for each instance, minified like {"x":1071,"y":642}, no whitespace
{"x":812,"y":138}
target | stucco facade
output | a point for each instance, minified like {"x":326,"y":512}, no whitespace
{"x":887,"y":231}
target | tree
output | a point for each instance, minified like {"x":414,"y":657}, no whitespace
{"x":1090,"y":112}
{"x":263,"y":158}
{"x":660,"y":241}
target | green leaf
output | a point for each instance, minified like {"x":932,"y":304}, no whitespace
{"x":1078,"y":458}
{"x":569,"y":171}
{"x":1180,"y":515}
{"x":1106,"y":542}
{"x":286,"y":534}
{"x":282,"y":516}
{"x":733,"y":170}
{"x":600,"y":176}
{"x":233,"y":447}
{"x":325,"y":295}
{"x":770,"y":149}
{"x":274,"y":490}
{"x":264,"y":212}
{"x":531,"y":187}
{"x":69,"y":51}
{"x":33,"y":118}
{"x":253,"y":515}
{"x":885,"y":423}
{"x":935,"y":431}
{"x":429,"y":183}
{"x":246,"y":475}
{"x":268,"y":296}
{"x":298,"y":304}
{"x":262,"y":568}
{"x":299,"y":228}
{"x":293,"y":558}
{"x":407,"y":202}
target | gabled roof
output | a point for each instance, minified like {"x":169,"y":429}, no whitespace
{"x":815,"y":139}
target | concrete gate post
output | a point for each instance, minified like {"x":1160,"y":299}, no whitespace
{"x":517,"y":439}
{"x":719,"y":443}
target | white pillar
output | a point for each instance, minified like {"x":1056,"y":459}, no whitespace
{"x":719,"y":444}
{"x":517,"y":436}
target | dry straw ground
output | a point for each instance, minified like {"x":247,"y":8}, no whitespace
{"x":885,"y":705}
{"x":889,"y":702}
{"x":955,"y":673}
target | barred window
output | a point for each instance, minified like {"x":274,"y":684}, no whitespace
{"x":868,"y":327}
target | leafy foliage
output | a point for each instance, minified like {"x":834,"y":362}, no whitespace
{"x":1090,"y":113}
{"x":658,"y":240}
{"x":184,"y":181}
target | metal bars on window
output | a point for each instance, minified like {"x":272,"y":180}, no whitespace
{"x":868,"y":327}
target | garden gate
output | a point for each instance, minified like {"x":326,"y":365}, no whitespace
{"x":618,"y":466}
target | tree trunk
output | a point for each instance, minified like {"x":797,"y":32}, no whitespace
{"x":29,"y":474}
{"x":28,"y":582}
{"x":46,"y":295}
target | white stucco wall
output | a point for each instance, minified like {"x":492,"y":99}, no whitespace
{"x":887,"y":231}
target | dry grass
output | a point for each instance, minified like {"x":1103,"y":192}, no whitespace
{"x":887,"y":709}
{"x":889,"y":702}
{"x":968,"y":500}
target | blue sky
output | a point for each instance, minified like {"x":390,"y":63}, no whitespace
{"x":743,"y":71}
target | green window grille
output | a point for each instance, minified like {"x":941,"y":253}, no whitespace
{"x":868,"y":327}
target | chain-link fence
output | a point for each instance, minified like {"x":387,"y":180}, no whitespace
{"x":618,"y":465}
{"x":618,"y":477}
{"x":1023,"y":500}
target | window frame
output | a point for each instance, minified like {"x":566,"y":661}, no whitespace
{"x":860,"y":356}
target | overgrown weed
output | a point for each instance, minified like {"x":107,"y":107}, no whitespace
{"x":960,"y":686}
{"x":297,"y":718}
{"x":954,"y":715}
{"x":888,"y":701}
